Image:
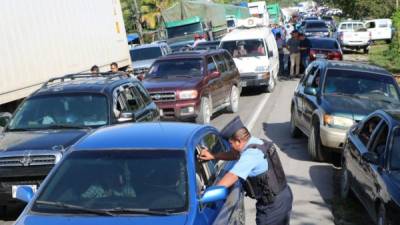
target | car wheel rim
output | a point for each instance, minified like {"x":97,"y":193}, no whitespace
{"x":271,"y":83}
{"x":234,"y":98}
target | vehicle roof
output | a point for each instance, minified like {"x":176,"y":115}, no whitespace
{"x":394,"y":113}
{"x":247,"y":34}
{"x":351,"y":21}
{"x":152,"y":45}
{"x":315,"y":21}
{"x":94,"y":84}
{"x":332,"y":64}
{"x":152,"y":135}
{"x":190,"y":54}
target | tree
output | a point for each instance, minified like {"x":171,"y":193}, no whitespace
{"x":365,"y":9}
{"x":151,"y":11}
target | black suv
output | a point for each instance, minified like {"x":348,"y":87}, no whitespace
{"x":332,"y":96}
{"x":57,"y":115}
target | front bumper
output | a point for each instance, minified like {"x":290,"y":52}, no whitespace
{"x":180,"y":110}
{"x":254,"y":79}
{"x":332,"y":137}
{"x":9,"y":176}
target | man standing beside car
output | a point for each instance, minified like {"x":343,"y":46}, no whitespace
{"x":293,"y":44}
{"x":305,"y":46}
{"x":257,"y":172}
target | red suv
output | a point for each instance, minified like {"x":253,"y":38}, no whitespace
{"x":194,"y":85}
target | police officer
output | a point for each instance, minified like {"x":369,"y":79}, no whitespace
{"x":252,"y":169}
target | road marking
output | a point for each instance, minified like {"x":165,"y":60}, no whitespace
{"x":257,"y":112}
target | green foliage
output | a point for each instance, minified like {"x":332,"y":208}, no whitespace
{"x":393,"y":53}
{"x":365,"y":9}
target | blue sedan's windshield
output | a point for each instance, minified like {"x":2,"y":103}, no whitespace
{"x":61,"y":111}
{"x":117,"y":180}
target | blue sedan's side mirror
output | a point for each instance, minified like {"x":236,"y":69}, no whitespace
{"x":310,"y":91}
{"x":24,"y":193}
{"x":214,"y":193}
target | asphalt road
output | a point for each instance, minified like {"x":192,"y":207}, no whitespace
{"x":267,"y":116}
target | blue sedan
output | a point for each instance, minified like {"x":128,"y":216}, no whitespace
{"x":146,"y":173}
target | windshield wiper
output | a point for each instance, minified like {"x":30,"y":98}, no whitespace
{"x":18,"y":129}
{"x":65,"y":126}
{"x":75,"y":207}
{"x":120,"y":210}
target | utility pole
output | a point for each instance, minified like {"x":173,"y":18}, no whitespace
{"x":136,"y":17}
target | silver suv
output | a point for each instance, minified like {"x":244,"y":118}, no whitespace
{"x":143,"y":56}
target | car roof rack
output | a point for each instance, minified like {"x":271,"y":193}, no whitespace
{"x":70,"y":77}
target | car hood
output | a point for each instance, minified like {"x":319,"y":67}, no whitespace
{"x":39,"y":140}
{"x":143,"y":63}
{"x":249,"y":64}
{"x":101,"y":220}
{"x":155,"y":84}
{"x":351,"y":107}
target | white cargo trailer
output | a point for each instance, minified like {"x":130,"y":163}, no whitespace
{"x":42,"y":39}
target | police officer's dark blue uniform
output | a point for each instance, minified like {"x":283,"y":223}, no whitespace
{"x":251,"y":162}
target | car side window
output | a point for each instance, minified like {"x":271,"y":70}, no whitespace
{"x":211,"y":67}
{"x":368,"y":129}
{"x":395,"y":150}
{"x":220,"y":63}
{"x":119,"y":104}
{"x":309,"y":72}
{"x":133,"y":101}
{"x":380,"y":139}
{"x":143,"y":93}
{"x":229,"y":61}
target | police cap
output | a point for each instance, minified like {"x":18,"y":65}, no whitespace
{"x":230,"y":129}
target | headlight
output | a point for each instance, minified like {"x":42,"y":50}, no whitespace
{"x":261,"y":68}
{"x":187,"y":94}
{"x":338,"y":121}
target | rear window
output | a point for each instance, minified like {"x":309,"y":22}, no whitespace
{"x":145,"y":53}
{"x":316,"y":25}
{"x":245,"y":48}
{"x":324,"y":44}
{"x":176,"y":67}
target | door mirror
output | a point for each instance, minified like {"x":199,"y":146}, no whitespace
{"x":126,"y":117}
{"x":310,"y":91}
{"x":5,"y":117}
{"x":215,"y":74}
{"x":24,"y":193}
{"x":213,"y":194}
{"x":371,"y":157}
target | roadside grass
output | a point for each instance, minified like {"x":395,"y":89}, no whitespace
{"x":379,"y":56}
{"x":348,"y":211}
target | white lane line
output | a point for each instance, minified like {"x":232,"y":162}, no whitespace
{"x":257,"y":112}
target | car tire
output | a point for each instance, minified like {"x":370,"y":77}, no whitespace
{"x":271,"y":85}
{"x":315,"y":148}
{"x":205,"y":112}
{"x":295,"y":132}
{"x":3,"y":212}
{"x":366,"y":50}
{"x":381,"y":215}
{"x":233,"y":100}
{"x":344,"y":181}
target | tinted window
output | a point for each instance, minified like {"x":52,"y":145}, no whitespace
{"x":324,"y":44}
{"x":118,"y":179}
{"x":145,"y":53}
{"x":145,"y":95}
{"x":370,"y":25}
{"x":211,"y":67}
{"x":368,"y":128}
{"x":133,"y":101}
{"x":361,"y":84}
{"x":345,"y":26}
{"x":176,"y":67}
{"x":230,"y":23}
{"x":312,"y":25}
{"x":61,"y":111}
{"x":395,"y":150}
{"x":184,"y":30}
{"x":229,"y":61}
{"x":245,"y":48}
{"x":220,"y":63}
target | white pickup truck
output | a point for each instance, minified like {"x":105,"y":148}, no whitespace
{"x":353,"y":35}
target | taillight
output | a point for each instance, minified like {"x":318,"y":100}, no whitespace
{"x":335,"y":56}
{"x":313,"y":54}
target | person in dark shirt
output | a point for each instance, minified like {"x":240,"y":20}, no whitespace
{"x":305,"y":46}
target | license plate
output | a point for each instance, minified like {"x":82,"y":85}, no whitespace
{"x":320,"y":56}
{"x":14,"y":189}
{"x":243,"y":83}
{"x":161,"y":112}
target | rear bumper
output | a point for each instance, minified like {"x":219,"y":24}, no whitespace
{"x":254,"y":79}
{"x":332,"y":137}
{"x":180,"y":110}
{"x":354,"y":44}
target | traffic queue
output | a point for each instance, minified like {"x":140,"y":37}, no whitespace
{"x":92,"y":156}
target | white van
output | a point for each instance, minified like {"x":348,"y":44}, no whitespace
{"x":255,"y":53}
{"x":381,"y":29}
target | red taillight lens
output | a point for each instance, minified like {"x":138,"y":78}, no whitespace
{"x":313,"y":54}
{"x":335,"y":56}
